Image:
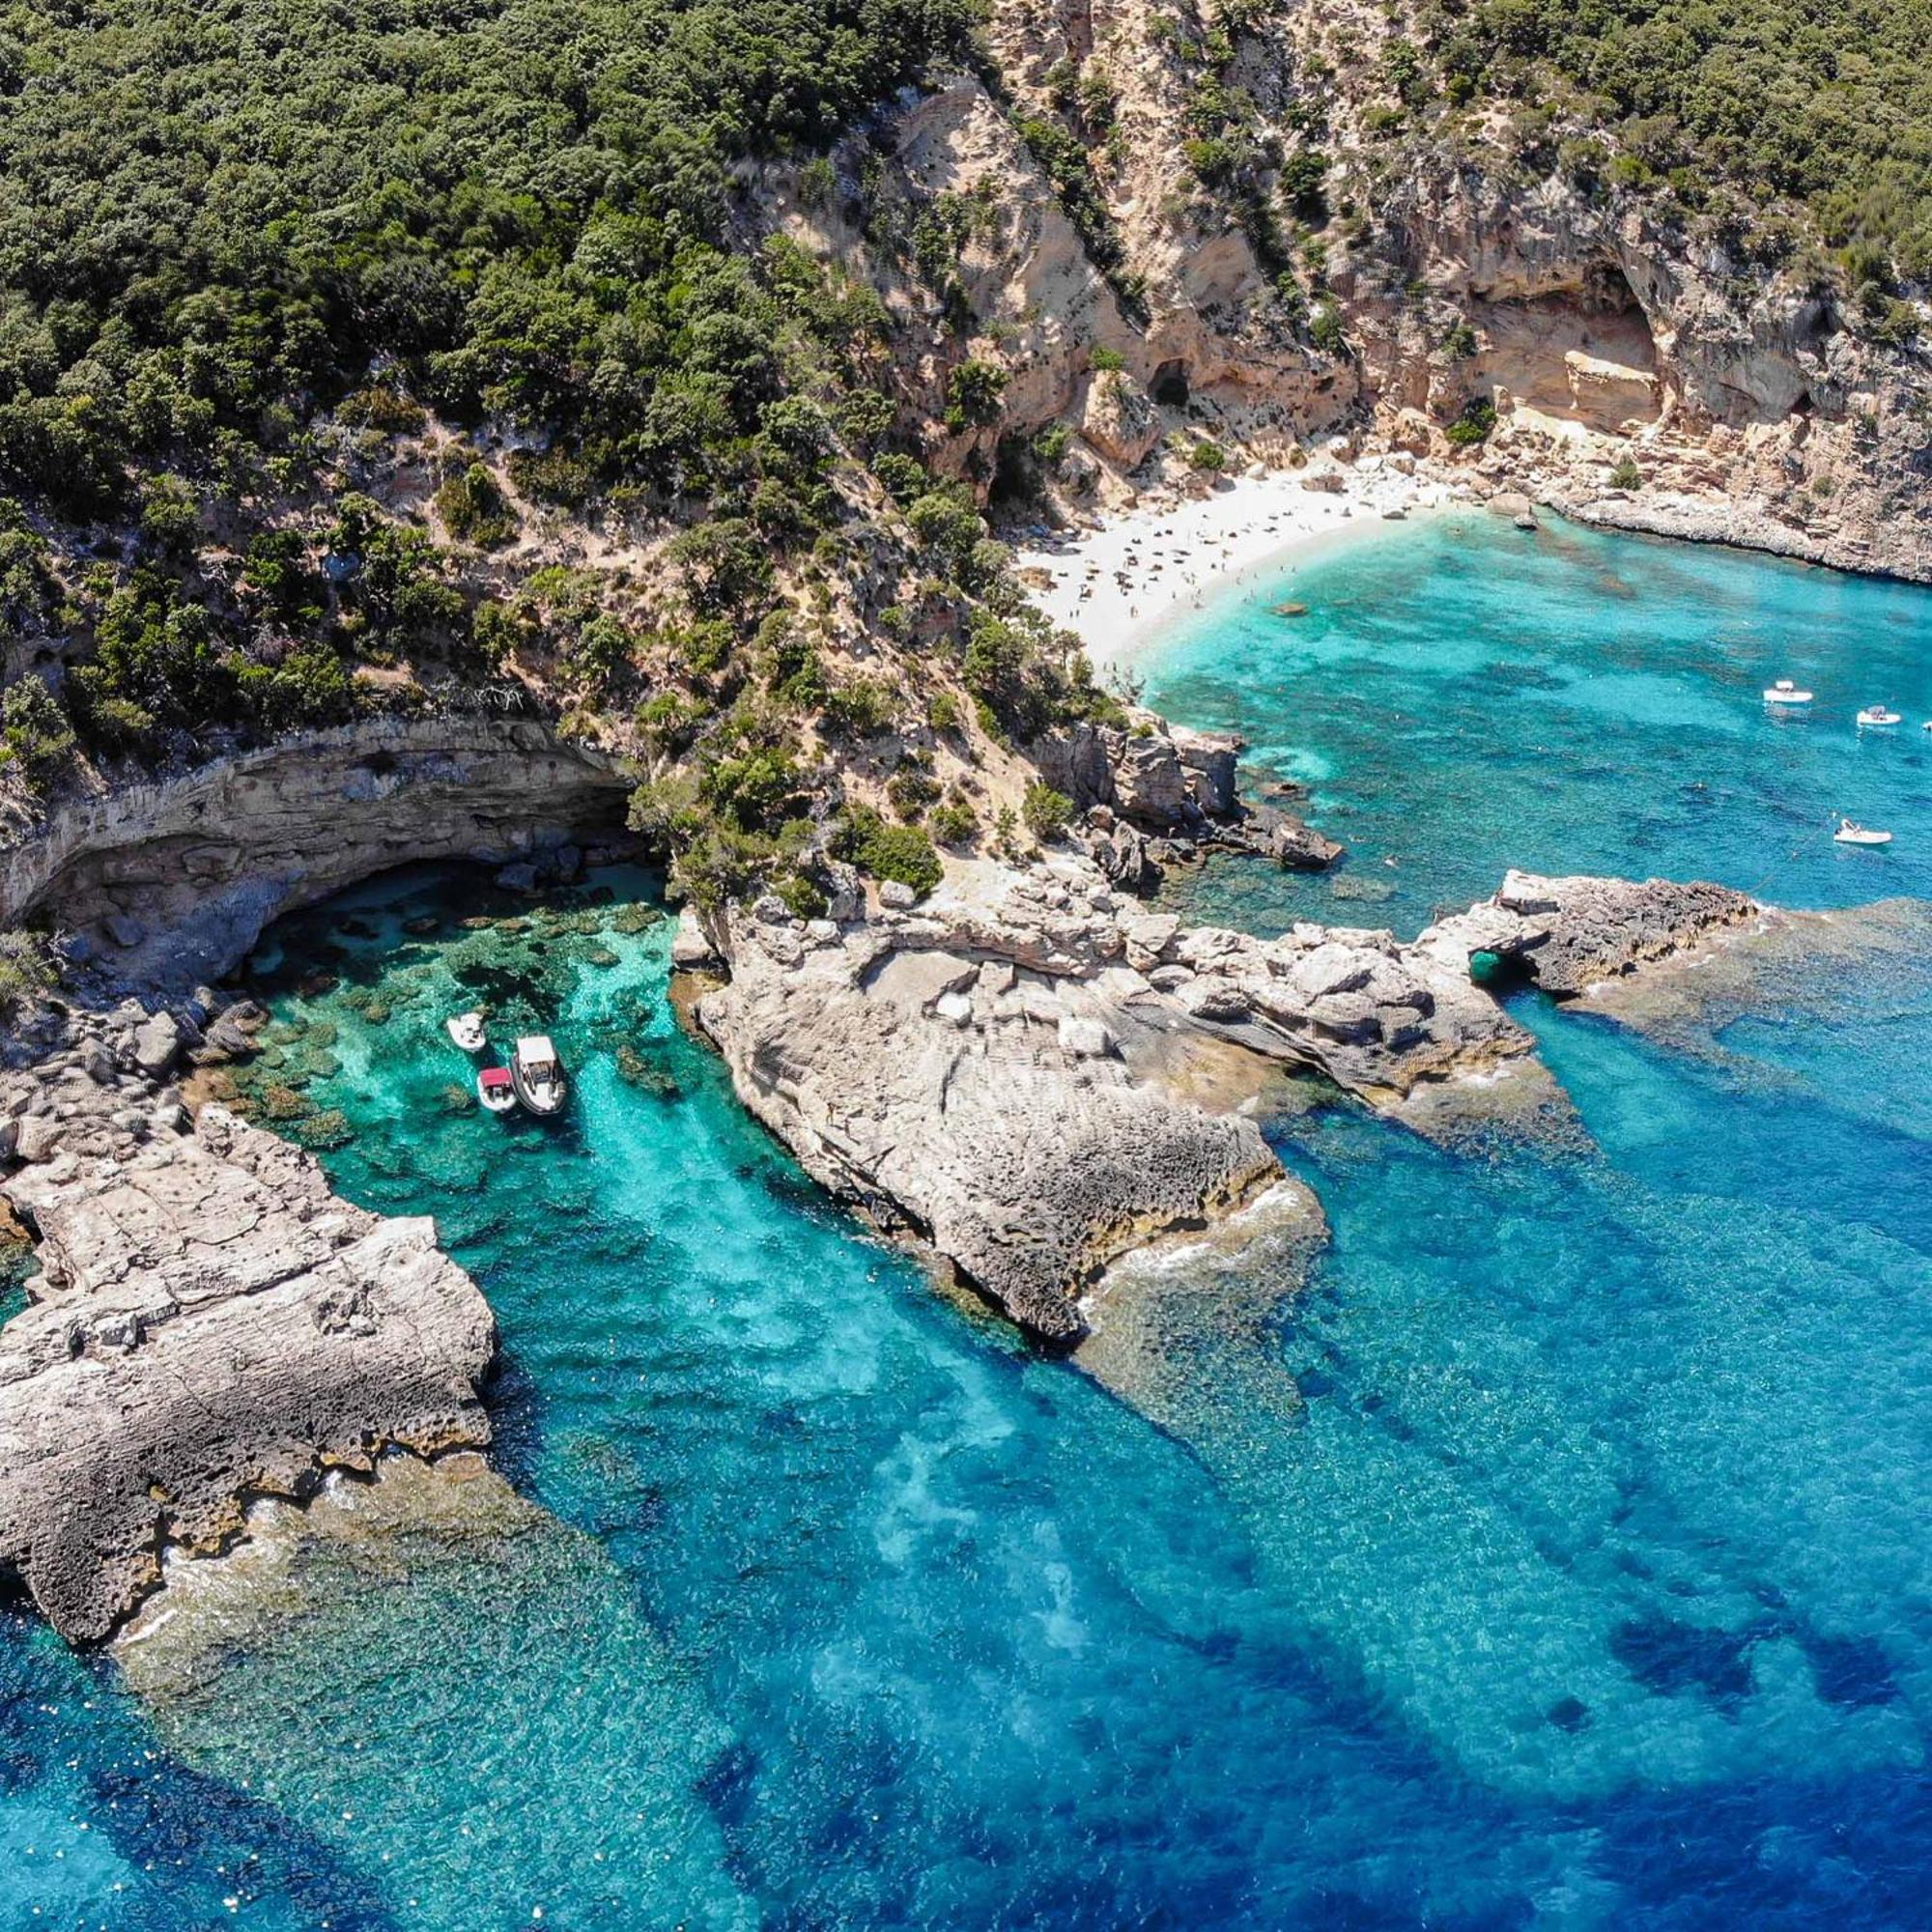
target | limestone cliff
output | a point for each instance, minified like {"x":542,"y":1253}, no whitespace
{"x":1144,"y":292}
{"x":168,"y":881}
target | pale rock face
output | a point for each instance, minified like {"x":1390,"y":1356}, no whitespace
{"x":691,"y":945}
{"x":183,"y":872}
{"x":156,"y":1043}
{"x":1149,"y":783}
{"x":1085,"y":1038}
{"x":1208,"y":759}
{"x":1119,"y":418}
{"x":210,"y":1324}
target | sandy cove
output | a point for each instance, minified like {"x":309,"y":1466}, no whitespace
{"x":1122,"y":581}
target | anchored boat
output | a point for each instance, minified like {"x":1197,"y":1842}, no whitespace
{"x":1784,"y":691}
{"x":538,"y":1074}
{"x":496,"y":1090}
{"x":466,"y":1030}
{"x":1877,"y":715}
{"x":1851,"y":833}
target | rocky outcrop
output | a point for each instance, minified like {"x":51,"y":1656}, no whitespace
{"x":1569,"y":935}
{"x":1157,"y":791}
{"x":965,"y":1070}
{"x":168,"y":882}
{"x":211,"y":1325}
{"x":1012,"y":1069}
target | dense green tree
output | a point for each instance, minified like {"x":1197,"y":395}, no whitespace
{"x":1828,"y":102}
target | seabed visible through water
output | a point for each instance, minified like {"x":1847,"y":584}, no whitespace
{"x":1555,"y":1555}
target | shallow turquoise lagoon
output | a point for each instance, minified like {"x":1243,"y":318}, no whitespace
{"x":1461,"y":695}
{"x":1558,"y":1559}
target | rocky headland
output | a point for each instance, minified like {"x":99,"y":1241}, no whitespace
{"x":1012,"y":1069}
{"x":1029,"y":1071}
{"x":210,"y":1325}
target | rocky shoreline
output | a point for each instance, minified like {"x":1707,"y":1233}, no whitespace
{"x":1004,"y":1071}
{"x":1030,"y":1072}
{"x":211,"y":1325}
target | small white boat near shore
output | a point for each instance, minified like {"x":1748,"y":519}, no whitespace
{"x":466,"y":1030}
{"x":1850,"y":833}
{"x":1785,"y":692}
{"x":538,"y":1074}
{"x":496,"y":1090}
{"x":1876,"y":716}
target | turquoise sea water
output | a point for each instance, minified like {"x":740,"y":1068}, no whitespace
{"x":1559,"y":1560}
{"x":1461,"y":695}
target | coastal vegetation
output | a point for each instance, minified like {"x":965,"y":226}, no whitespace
{"x":1805,"y":127}
{"x":393,"y":356}
{"x":309,"y":254}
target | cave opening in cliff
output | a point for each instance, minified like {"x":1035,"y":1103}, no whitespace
{"x":1577,"y":353}
{"x":1018,"y":485}
{"x":1169,"y":386}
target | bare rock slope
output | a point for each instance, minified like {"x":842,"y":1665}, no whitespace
{"x":211,"y":1325}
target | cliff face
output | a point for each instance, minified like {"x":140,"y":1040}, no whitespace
{"x":1643,"y":373}
{"x":170,"y":881}
{"x":1749,"y":414}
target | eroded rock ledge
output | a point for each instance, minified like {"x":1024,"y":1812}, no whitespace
{"x":212,"y":1325}
{"x":1008,"y":1069}
{"x":169,"y":881}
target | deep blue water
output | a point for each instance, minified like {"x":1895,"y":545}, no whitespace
{"x":1557,"y":1558}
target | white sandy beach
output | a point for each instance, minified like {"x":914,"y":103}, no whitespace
{"x":1117,"y":585}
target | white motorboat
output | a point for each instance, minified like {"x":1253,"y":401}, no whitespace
{"x":1784,"y":691}
{"x":496,"y":1090}
{"x":466,"y":1030}
{"x":1877,"y":715}
{"x":538,"y":1074}
{"x":1851,"y":833}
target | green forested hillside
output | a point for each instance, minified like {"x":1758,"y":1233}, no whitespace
{"x":211,"y":214}
{"x":1827,"y":102}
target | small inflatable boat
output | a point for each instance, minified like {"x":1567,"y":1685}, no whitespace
{"x":1876,"y":715}
{"x":496,"y":1090}
{"x":1849,"y":834}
